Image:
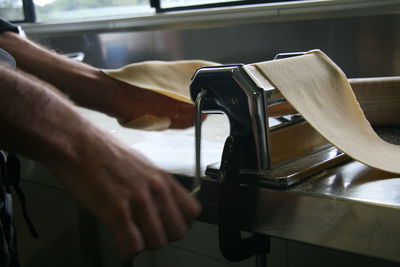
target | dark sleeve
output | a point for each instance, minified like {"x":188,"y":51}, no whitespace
{"x":7,"y":26}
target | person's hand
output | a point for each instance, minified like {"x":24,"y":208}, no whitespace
{"x":142,"y":205}
{"x":140,"y":102}
{"x":128,"y":102}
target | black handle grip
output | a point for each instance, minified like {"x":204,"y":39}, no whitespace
{"x":232,"y":245}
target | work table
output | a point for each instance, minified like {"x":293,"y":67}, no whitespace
{"x":351,"y":207}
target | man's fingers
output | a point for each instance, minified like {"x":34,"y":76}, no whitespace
{"x":183,"y":117}
{"x":173,"y":220}
{"x":145,"y":213}
{"x":188,"y":205}
{"x":129,"y":240}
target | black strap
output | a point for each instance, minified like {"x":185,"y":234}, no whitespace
{"x":14,"y":175}
{"x":6,"y":26}
{"x":8,"y":240}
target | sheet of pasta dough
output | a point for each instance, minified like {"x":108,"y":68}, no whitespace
{"x":319,"y":90}
{"x":170,"y":78}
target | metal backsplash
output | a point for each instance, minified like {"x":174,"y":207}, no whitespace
{"x":367,"y":46}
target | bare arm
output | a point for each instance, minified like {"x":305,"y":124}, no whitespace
{"x":91,"y":88}
{"x":142,"y":205}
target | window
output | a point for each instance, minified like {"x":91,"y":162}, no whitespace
{"x":50,"y":10}
{"x":12,"y":10}
{"x":182,"y":3}
{"x":171,"y":5}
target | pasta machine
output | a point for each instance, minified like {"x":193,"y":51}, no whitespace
{"x":262,"y":149}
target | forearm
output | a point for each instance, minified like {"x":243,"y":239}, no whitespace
{"x":36,"y":121}
{"x":85,"y":85}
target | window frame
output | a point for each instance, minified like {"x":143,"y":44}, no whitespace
{"x":29,"y":11}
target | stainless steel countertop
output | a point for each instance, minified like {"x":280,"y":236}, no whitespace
{"x":351,"y":207}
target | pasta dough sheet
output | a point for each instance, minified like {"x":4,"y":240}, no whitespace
{"x":319,"y":90}
{"x":168,"y":78}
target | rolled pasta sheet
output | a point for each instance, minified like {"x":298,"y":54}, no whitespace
{"x":319,"y":90}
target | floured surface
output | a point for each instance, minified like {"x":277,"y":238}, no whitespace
{"x":319,"y":90}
